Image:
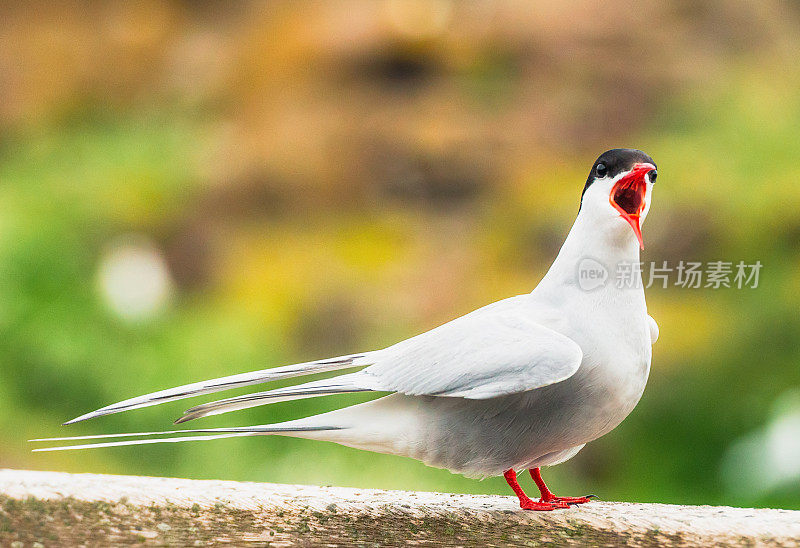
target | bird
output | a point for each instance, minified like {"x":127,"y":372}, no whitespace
{"x":522,"y":383}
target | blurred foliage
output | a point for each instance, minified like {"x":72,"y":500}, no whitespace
{"x":323,"y":178}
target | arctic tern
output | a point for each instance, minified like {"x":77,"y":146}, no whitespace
{"x":519,"y":384}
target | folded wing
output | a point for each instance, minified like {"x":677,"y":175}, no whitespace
{"x":494,"y":351}
{"x":489,"y":353}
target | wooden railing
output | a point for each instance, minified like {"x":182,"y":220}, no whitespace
{"x":57,"y":509}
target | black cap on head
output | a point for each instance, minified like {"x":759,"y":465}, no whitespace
{"x":612,"y":162}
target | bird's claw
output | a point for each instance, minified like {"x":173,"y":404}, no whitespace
{"x":538,"y":505}
{"x":567,"y":501}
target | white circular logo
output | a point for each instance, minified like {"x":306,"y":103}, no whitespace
{"x":591,"y":274}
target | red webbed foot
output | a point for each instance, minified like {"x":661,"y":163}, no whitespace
{"x":553,"y":499}
{"x":550,"y":498}
{"x":539,"y":506}
{"x":548,"y":501}
{"x":525,"y":501}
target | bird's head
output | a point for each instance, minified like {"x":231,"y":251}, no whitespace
{"x":618,"y":190}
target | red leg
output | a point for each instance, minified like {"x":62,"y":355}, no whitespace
{"x":547,"y":496}
{"x":524,"y":501}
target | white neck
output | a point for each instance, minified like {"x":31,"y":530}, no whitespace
{"x":607,"y":240}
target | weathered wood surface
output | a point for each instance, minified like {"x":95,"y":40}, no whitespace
{"x":57,"y":509}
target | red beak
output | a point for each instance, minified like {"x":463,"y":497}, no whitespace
{"x":627,"y":197}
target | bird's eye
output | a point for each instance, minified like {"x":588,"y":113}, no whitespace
{"x":601,"y":170}
{"x":653,"y":174}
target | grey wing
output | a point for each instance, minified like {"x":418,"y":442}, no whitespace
{"x":232,"y":381}
{"x":491,"y":352}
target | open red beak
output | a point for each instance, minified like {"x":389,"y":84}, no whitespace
{"x":627,"y":197}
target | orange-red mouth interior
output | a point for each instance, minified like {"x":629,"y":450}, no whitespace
{"x":630,"y":199}
{"x":627,"y":197}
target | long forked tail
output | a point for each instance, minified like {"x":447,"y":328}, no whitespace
{"x":225,"y":383}
{"x":285,"y":428}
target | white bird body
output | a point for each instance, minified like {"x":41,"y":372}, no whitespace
{"x":521,"y":383}
{"x":528,"y":429}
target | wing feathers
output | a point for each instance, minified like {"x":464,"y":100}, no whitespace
{"x":225,"y":383}
{"x":494,"y":351}
{"x":339,"y":385}
{"x":488,"y":353}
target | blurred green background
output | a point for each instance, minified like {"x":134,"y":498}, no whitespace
{"x":196,"y":189}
